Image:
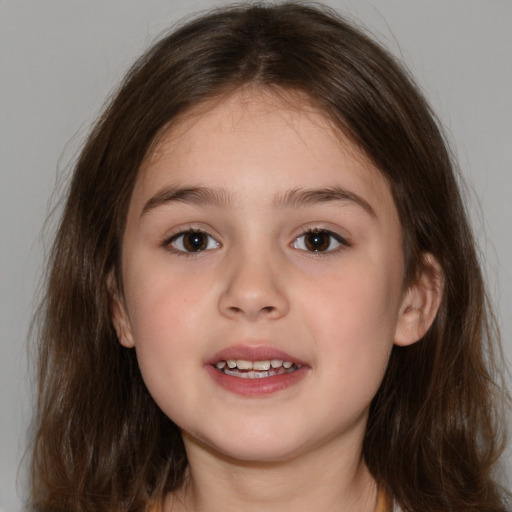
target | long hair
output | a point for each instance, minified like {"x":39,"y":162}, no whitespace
{"x":433,"y":435}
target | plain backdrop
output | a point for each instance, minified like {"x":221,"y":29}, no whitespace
{"x":59,"y":59}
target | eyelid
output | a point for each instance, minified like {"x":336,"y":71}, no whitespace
{"x":181,"y":231}
{"x":186,"y":227}
{"x":343,"y":242}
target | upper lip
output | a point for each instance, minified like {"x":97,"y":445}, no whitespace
{"x":253,"y":353}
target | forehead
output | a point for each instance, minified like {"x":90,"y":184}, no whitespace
{"x":256,"y":139}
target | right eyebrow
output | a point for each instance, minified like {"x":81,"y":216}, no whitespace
{"x":192,"y":195}
{"x":305,"y":197}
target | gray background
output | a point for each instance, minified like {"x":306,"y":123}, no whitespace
{"x":59,"y":59}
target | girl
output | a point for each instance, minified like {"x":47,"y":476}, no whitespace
{"x":264,"y":292}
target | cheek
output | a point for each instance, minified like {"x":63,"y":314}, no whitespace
{"x":166,"y":312}
{"x":166,"y":345}
{"x":361,"y":301}
{"x":162,"y":299}
{"x":353,"y":319}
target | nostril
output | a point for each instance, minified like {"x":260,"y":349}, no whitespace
{"x":264,"y":310}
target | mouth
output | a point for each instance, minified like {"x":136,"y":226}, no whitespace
{"x":256,"y":370}
{"x":246,"y":369}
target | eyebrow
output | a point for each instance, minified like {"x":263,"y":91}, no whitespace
{"x":191,"y":195}
{"x":305,"y":197}
{"x":294,"y":198}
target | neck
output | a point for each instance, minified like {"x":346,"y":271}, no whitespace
{"x":324,"y":480}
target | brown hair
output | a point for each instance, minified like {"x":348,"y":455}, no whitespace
{"x":101,"y":443}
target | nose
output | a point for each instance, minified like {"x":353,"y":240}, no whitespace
{"x":252,"y":290}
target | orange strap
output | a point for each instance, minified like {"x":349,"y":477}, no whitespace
{"x":383,"y":504}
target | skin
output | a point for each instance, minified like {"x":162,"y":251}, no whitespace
{"x":338,"y":310}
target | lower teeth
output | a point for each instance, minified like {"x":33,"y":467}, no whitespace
{"x":257,"y":374}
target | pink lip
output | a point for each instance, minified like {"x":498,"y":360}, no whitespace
{"x":255,"y":387}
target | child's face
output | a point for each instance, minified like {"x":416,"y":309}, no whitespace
{"x":256,"y":233}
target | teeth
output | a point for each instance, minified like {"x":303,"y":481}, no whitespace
{"x":256,"y":369}
{"x":260,"y":365}
{"x":242,"y":364}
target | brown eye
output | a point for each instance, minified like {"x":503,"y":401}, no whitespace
{"x":318,"y":241}
{"x":193,"y":241}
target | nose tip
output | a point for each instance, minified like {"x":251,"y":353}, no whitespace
{"x":252,"y":292}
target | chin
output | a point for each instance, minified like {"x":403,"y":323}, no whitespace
{"x":259,"y":453}
{"x":254,"y":446}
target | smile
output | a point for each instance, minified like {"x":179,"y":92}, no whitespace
{"x":245,"y":369}
{"x":256,"y":370}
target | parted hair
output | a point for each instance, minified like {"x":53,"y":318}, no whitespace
{"x":435,"y":428}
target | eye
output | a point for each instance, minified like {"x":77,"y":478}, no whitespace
{"x":319,"y":240}
{"x":193,"y":241}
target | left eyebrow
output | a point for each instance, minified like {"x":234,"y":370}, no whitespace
{"x":191,"y":195}
{"x":307,"y":197}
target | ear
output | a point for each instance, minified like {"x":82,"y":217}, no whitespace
{"x":420,"y":303}
{"x":119,"y":315}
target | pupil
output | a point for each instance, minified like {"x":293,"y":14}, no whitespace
{"x":194,"y":242}
{"x":317,"y":241}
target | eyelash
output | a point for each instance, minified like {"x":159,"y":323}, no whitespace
{"x":341,"y":241}
{"x":182,"y":251}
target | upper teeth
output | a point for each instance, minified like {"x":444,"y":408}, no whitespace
{"x":243,"y":364}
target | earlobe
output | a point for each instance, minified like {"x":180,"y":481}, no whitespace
{"x":420,"y":303}
{"x":119,"y":316}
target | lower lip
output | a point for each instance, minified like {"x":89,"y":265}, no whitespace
{"x":256,"y":387}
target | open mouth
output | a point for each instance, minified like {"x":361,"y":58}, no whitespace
{"x":245,"y":369}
